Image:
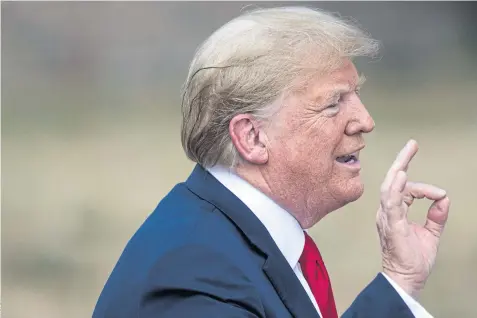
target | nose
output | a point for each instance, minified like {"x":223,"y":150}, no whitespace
{"x":361,"y":121}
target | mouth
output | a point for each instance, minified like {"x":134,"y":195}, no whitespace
{"x":350,"y":160}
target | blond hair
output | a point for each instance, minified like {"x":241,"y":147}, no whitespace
{"x":252,"y":61}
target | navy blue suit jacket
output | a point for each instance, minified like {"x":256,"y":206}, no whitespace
{"x":203,"y":253}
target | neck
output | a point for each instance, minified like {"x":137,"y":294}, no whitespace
{"x":277,"y":190}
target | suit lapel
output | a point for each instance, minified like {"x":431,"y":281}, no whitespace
{"x":277,"y":269}
{"x":289,"y":288}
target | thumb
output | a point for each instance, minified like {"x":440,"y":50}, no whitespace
{"x":437,"y":216}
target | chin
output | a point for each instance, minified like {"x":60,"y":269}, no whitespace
{"x":356,"y":195}
{"x":353,"y":190}
{"x":356,"y":192}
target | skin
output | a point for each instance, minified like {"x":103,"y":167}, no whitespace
{"x":292,"y":159}
{"x":409,"y":250}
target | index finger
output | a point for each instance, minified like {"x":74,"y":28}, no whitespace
{"x":401,"y":163}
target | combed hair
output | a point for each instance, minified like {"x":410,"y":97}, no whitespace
{"x":252,"y":62}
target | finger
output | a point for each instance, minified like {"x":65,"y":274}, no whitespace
{"x":399,"y":183}
{"x":437,"y":216}
{"x":422,"y":190}
{"x":400,"y":164}
{"x":392,"y":202}
{"x":408,"y":199}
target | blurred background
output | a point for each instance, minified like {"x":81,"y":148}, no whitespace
{"x":91,"y":142}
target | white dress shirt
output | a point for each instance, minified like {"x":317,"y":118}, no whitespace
{"x":287,"y":232}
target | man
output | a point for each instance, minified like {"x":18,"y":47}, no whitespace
{"x":273,"y":118}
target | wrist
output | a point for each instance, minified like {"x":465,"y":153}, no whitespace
{"x":406,"y":283}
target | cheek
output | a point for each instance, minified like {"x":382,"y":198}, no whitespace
{"x":307,"y":146}
{"x":323,"y":141}
{"x":310,"y":153}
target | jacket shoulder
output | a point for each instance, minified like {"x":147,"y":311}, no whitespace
{"x":194,"y":271}
{"x":185,"y":244}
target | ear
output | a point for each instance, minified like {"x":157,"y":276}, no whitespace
{"x":249,"y":138}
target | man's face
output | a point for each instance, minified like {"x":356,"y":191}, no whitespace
{"x":314,"y":145}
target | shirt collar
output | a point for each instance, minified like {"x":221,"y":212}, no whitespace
{"x":282,"y":226}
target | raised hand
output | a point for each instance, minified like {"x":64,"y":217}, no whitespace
{"x":408,"y":249}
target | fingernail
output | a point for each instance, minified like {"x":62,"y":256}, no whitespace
{"x":441,"y":192}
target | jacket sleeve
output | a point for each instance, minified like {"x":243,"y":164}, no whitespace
{"x":379,"y":299}
{"x":197,"y":282}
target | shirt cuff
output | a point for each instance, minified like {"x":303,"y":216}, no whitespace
{"x":417,"y":310}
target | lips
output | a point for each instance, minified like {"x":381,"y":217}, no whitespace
{"x":351,"y":158}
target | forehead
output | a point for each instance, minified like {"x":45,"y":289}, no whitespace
{"x":342,"y":80}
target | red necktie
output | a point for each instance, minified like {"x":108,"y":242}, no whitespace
{"x":317,"y":277}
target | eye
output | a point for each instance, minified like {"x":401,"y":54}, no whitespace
{"x":333,"y":106}
{"x":333,"y":109}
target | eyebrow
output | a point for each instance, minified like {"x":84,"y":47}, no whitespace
{"x":360,"y":81}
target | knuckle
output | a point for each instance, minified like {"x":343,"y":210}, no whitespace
{"x":405,"y":178}
{"x":436,"y":232}
{"x":409,"y":199}
{"x":388,"y":205}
